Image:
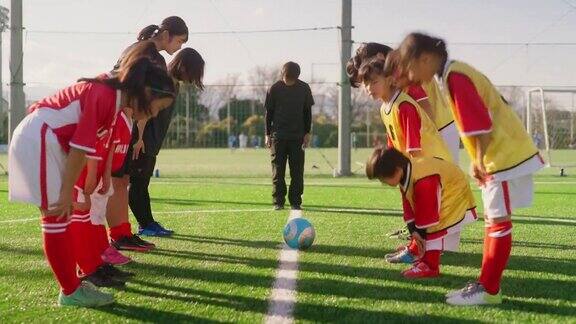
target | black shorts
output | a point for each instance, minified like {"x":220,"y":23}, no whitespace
{"x":123,"y":170}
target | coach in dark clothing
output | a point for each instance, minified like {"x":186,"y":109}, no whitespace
{"x":288,"y":121}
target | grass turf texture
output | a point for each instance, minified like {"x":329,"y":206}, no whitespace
{"x":220,"y":266}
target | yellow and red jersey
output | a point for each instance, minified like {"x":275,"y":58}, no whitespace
{"x":436,"y":194}
{"x":440,"y":110}
{"x":409,"y":128}
{"x":478,"y":108}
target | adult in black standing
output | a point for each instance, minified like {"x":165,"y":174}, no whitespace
{"x":288,"y":121}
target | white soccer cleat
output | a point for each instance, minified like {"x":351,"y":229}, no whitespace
{"x":461,"y":290}
{"x":475,"y":295}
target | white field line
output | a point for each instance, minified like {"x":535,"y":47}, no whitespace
{"x":262,"y":210}
{"x":283,"y":296}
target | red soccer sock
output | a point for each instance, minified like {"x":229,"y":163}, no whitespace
{"x":487,"y":243}
{"x":57,"y":245}
{"x":432,"y":259}
{"x":83,"y":238}
{"x":498,"y":252}
{"x":121,"y":230}
{"x":413,"y":248}
{"x":100,"y":238}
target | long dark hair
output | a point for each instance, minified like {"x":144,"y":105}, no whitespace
{"x":415,"y":44}
{"x":384,"y":161}
{"x":364,"y":52}
{"x":143,"y":49}
{"x":137,"y":75}
{"x":188,"y":66}
{"x":173,"y":24}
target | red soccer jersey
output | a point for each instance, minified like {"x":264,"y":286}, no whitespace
{"x":470,"y":108}
{"x":411,"y":124}
{"x":427,"y":199}
{"x":121,"y":137}
{"x":417,"y":92}
{"x":80,"y":115}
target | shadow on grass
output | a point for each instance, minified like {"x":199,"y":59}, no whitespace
{"x":530,"y":287}
{"x":225,"y":241}
{"x":473,"y":260}
{"x":304,"y":311}
{"x":149,"y":315}
{"x":4,"y":248}
{"x":344,"y":289}
{"x":326,"y":287}
{"x":552,"y":246}
{"x":307,"y":208}
{"x":516,"y":262}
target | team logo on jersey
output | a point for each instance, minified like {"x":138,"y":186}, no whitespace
{"x":121,"y":149}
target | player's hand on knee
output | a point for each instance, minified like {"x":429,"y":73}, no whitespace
{"x":61,"y":208}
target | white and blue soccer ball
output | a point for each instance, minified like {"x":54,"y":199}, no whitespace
{"x":299,"y":233}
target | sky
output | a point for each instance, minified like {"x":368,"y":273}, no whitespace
{"x":54,"y":60}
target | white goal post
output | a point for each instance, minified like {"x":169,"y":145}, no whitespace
{"x":550,"y":121}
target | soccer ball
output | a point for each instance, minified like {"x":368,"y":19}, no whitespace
{"x":299,"y":234}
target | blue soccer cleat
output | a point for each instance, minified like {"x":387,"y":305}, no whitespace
{"x":400,"y":256}
{"x":154,"y":229}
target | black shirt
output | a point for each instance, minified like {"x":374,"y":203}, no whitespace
{"x":289,"y":110}
{"x":156,"y":127}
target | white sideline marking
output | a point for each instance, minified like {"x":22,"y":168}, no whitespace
{"x":335,"y":210}
{"x":283,"y":295}
{"x":22,"y":220}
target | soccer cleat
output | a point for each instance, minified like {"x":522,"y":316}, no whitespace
{"x":153,"y":229}
{"x":475,"y":295}
{"x":101,"y":278}
{"x":278,"y":207}
{"x":420,"y":270}
{"x":401,"y":234}
{"x":164,"y":228}
{"x":112,"y":256}
{"x":136,"y":239}
{"x":468,"y":286}
{"x":116,"y":273}
{"x":128,"y":243}
{"x":296,"y":207}
{"x":86,"y":295}
{"x":402,"y":255}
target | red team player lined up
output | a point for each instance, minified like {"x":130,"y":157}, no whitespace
{"x":75,"y":153}
{"x":68,"y":157}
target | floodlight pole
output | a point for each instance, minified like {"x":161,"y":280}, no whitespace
{"x":17,"y":104}
{"x":344,"y":95}
{"x":3,"y":25}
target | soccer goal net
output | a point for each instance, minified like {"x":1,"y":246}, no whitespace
{"x":550,"y":120}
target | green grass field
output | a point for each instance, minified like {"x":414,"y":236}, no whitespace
{"x":220,"y":266}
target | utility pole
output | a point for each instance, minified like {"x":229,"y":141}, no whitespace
{"x":3,"y":26}
{"x":17,"y":104}
{"x":344,"y":95}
